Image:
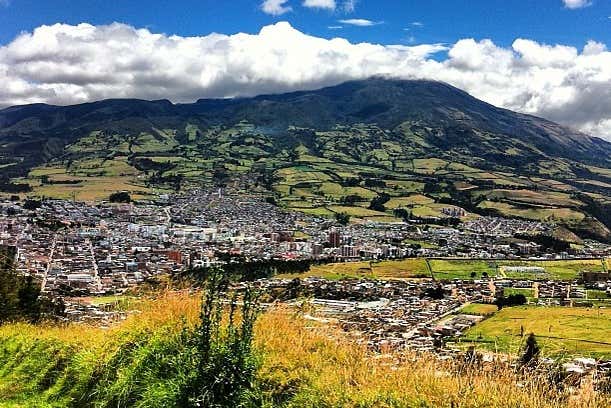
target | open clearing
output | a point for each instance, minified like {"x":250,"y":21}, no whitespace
{"x":479,"y":309}
{"x":559,"y":330}
{"x":404,"y":268}
{"x":447,"y":269}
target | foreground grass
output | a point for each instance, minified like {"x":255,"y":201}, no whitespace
{"x":139,"y":363}
{"x":319,"y":367}
{"x":80,"y":365}
{"x":559,"y":330}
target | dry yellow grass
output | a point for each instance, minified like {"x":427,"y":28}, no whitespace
{"x":307,"y":364}
{"x":320,"y":366}
{"x":148,"y":314}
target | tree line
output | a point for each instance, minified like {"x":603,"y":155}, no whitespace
{"x":20,"y":296}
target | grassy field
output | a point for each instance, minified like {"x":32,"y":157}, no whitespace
{"x":139,"y":363}
{"x":567,"y":215}
{"x":559,"y":330}
{"x":479,"y":309}
{"x":528,"y":293}
{"x":405,"y":268}
{"x":461,"y":269}
{"x":447,"y":269}
{"x":556,"y":269}
{"x":87,"y":180}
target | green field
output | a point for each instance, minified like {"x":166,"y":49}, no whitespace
{"x":567,"y":215}
{"x":404,"y":268}
{"x":559,"y":330}
{"x":528,"y":293}
{"x":447,"y":269}
{"x":479,"y":309}
{"x":461,"y":269}
{"x":554,"y":269}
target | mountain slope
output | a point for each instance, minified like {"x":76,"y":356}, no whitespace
{"x":412,"y":131}
{"x":387,"y":103}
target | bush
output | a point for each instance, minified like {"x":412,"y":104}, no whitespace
{"x":377,"y":203}
{"x":516,"y":299}
{"x":226,"y":365}
{"x":342,"y":218}
{"x":531,"y":351}
{"x":120,"y":197}
{"x":32,"y":204}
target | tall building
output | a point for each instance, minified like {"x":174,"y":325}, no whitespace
{"x":334,"y":238}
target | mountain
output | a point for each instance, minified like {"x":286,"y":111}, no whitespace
{"x":376,"y":137}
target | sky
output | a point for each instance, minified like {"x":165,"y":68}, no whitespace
{"x":550,"y":58}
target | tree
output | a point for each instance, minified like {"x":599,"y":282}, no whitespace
{"x":32,"y":204}
{"x":434,"y":293}
{"x":9,"y":282}
{"x":473,"y":275}
{"x":220,"y":176}
{"x":351,"y":182}
{"x":120,"y":197}
{"x":351,"y":199}
{"x":20,"y":296}
{"x":403,"y":214}
{"x":515,"y":299}
{"x":531,"y":351}
{"x":377,"y":203}
{"x":28,"y":300}
{"x":342,"y":218}
{"x":271,"y":200}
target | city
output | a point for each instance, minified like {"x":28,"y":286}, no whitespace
{"x":78,"y":248}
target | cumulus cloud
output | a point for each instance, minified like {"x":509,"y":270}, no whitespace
{"x":275,"y":7}
{"x":321,"y":4}
{"x":576,"y":4}
{"x":64,"y":64}
{"x":360,"y":22}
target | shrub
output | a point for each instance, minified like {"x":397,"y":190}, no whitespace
{"x":120,"y":197}
{"x":342,"y":218}
{"x":225,"y":363}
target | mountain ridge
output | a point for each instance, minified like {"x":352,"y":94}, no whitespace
{"x":381,"y":101}
{"x":388,"y":126}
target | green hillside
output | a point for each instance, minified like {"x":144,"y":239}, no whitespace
{"x":415,"y":145}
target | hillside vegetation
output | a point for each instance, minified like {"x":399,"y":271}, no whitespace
{"x":366,"y":148}
{"x":144,"y":361}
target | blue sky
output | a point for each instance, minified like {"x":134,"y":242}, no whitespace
{"x":549,"y":58}
{"x":547,"y":21}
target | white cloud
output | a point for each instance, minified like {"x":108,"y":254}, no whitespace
{"x":275,"y":7}
{"x":5,"y":3}
{"x":417,"y":24}
{"x":321,"y":4}
{"x":350,"y":5}
{"x":576,"y":4}
{"x":361,"y":22}
{"x":335,"y":27}
{"x":65,"y":64}
{"x":594,"y":48}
